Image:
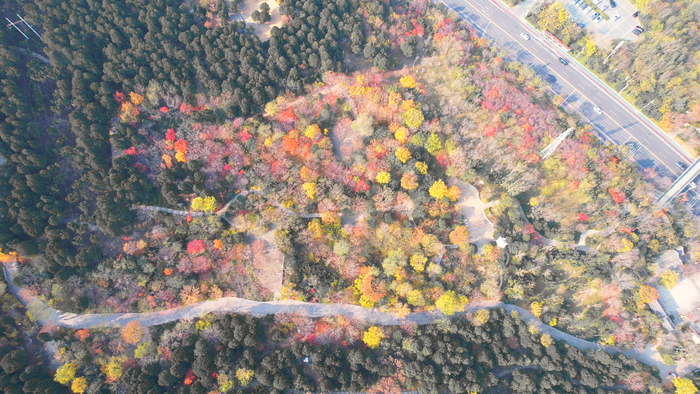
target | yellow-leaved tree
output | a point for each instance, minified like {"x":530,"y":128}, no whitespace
{"x":549,"y":18}
{"x":450,"y":302}
{"x":244,"y":376}
{"x":536,"y":308}
{"x":65,"y":373}
{"x":408,"y":82}
{"x":383,"y":177}
{"x":402,"y":154}
{"x":310,"y":189}
{"x":413,"y":118}
{"x":669,"y":279}
{"x":418,"y":261}
{"x":546,"y":340}
{"x":481,"y":317}
{"x":206,"y":204}
{"x":684,"y":386}
{"x":438,"y":190}
{"x":114,"y":369}
{"x":79,"y":385}
{"x":373,"y":337}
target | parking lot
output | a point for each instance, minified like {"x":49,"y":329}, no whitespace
{"x":612,"y":28}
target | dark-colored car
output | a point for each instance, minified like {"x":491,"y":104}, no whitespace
{"x":613,"y":4}
{"x":633,"y":145}
{"x":550,"y":78}
{"x":563,"y":61}
{"x":681,"y":165}
{"x":641,"y":29}
{"x":636,"y":14}
{"x":636,"y":32}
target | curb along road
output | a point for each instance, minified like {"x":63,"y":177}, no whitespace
{"x":607,"y":89}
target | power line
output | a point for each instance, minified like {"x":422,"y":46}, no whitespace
{"x":22,"y":20}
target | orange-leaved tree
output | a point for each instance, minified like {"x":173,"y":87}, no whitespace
{"x":132,"y":332}
{"x":648,"y":294}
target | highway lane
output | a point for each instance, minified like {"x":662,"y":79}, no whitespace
{"x":619,"y":122}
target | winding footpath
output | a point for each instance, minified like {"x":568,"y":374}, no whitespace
{"x":43,"y":314}
{"x":223,"y":210}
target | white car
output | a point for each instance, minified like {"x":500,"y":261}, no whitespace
{"x":692,"y":185}
{"x":524,"y":36}
{"x":598,"y":110}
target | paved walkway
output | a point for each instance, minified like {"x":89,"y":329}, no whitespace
{"x":43,"y":314}
{"x":472,"y":208}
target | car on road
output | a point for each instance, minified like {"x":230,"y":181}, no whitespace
{"x":636,"y":14}
{"x":681,"y":165}
{"x":598,"y":110}
{"x":563,"y":61}
{"x":524,"y":36}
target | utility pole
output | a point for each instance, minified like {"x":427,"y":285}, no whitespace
{"x":580,"y":52}
{"x":484,"y":31}
{"x":613,"y":51}
{"x":648,"y":104}
{"x":546,"y":152}
{"x":567,"y":97}
{"x":15,"y":26}
{"x":623,"y":89}
{"x":28,"y":25}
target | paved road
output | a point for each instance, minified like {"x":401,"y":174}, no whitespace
{"x":620,"y":121}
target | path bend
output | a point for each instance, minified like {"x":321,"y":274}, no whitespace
{"x":43,"y":314}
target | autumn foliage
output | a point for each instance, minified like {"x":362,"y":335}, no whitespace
{"x":132,"y":332}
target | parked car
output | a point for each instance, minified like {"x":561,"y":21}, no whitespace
{"x":636,"y":32}
{"x":599,"y":18}
{"x":524,"y":36}
{"x":595,"y":16}
{"x":681,"y":165}
{"x":613,"y":4}
{"x":641,"y":29}
{"x":598,"y":110}
{"x":551,"y":78}
{"x":692,"y":185}
{"x":563,"y":61}
{"x":616,"y":17}
{"x":636,"y":14}
{"x":632,"y":145}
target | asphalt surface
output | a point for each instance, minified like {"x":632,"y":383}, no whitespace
{"x":619,"y":123}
